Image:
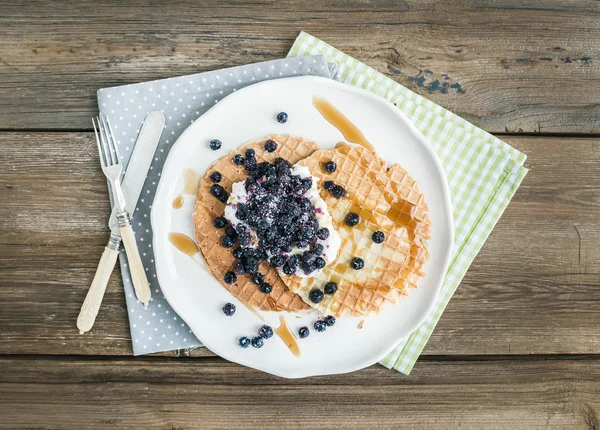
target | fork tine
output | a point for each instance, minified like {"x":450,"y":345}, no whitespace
{"x":115,"y":147}
{"x":100,"y":149}
{"x":104,"y":141}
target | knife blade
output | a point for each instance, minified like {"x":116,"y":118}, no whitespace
{"x":132,"y":185}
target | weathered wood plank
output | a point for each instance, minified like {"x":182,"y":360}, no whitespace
{"x":533,"y":289}
{"x":509,"y":66}
{"x":212,"y":393}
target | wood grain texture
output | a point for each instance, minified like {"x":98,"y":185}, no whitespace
{"x":212,"y":393}
{"x":510,"y":66}
{"x":533,"y":289}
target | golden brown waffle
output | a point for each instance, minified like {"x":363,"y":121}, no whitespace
{"x":387,"y":199}
{"x":220,"y":259}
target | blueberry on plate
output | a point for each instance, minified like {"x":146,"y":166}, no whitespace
{"x":227,"y":241}
{"x":316,"y":295}
{"x":358,"y":263}
{"x":266,"y":288}
{"x":237,"y":159}
{"x":282,"y":117}
{"x":220,"y":222}
{"x":265,"y":332}
{"x":330,"y":288}
{"x":352,"y":219}
{"x":270,"y":145}
{"x":330,"y":166}
{"x":338,"y":192}
{"x":216,"y":177}
{"x":329,"y":320}
{"x":378,"y":237}
{"x":215,"y":144}
{"x":229,"y":309}
{"x":303,"y":332}
{"x":328,"y":185}
{"x":257,"y":342}
{"x":230,"y":278}
{"x":323,"y":233}
{"x":320,"y":326}
{"x":244,"y":342}
{"x":258,"y":278}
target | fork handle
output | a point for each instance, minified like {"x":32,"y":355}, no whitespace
{"x":93,"y":299}
{"x":138,"y":274}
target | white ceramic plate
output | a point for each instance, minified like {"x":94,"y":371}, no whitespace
{"x":249,"y":114}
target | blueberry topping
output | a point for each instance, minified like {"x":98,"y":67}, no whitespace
{"x":215,"y":177}
{"x":242,"y":212}
{"x":277,"y":261}
{"x":258,"y":278}
{"x":330,"y":166}
{"x":265,"y":332}
{"x":320,"y":326}
{"x":352,"y":219}
{"x":250,"y":153}
{"x":323,"y":233}
{"x":319,"y":262}
{"x":238,"y":160}
{"x":237,"y":252}
{"x":330,"y":288}
{"x":328,"y":185}
{"x":229,"y":309}
{"x":220,"y":222}
{"x":329,"y":320}
{"x":230,"y":278}
{"x":378,"y":237}
{"x":358,"y":263}
{"x":227,"y":241}
{"x":318,"y":249}
{"x":244,"y":342}
{"x":270,"y":145}
{"x":282,"y":117}
{"x":303,"y":332}
{"x":315,"y":296}
{"x":288,"y":269}
{"x":257,"y":342}
{"x":238,"y":268}
{"x":338,"y":192}
{"x":230,"y":231}
{"x":266,"y":288}
{"x":215,"y":144}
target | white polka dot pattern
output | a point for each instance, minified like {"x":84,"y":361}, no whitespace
{"x":183,"y":99}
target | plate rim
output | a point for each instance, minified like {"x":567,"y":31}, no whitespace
{"x":447,"y":206}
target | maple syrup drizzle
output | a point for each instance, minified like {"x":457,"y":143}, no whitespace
{"x":191,"y":178}
{"x":350,"y":132}
{"x":288,"y":338}
{"x":184,"y":243}
{"x":178,"y":202}
{"x":361,"y":324}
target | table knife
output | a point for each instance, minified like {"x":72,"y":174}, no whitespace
{"x":132,"y":184}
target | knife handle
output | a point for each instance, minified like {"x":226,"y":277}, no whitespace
{"x":93,"y":299}
{"x":138,"y":274}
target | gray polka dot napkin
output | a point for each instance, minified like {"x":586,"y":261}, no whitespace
{"x":157,"y":327}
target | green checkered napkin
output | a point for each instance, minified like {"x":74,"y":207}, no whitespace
{"x":483,"y":174}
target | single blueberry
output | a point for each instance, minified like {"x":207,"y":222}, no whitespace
{"x":319,"y":263}
{"x":265,"y":332}
{"x":229,"y":309}
{"x":257,"y":342}
{"x":328,"y":185}
{"x":244,"y":342}
{"x":215,"y":144}
{"x":330,"y":288}
{"x":338,"y":192}
{"x":216,"y":177}
{"x":227,"y":241}
{"x":282,"y":117}
{"x":237,"y":252}
{"x":258,"y":278}
{"x":315,"y":296}
{"x":270,"y":145}
{"x":242,"y":212}
{"x":323,"y":233}
{"x":318,"y":249}
{"x":277,"y":261}
{"x":329,"y":320}
{"x":238,"y":268}
{"x":266,"y":288}
{"x":320,"y":326}
{"x":229,"y":278}
{"x":358,"y":263}
{"x":330,"y":166}
{"x":303,"y":332}
{"x":378,"y":237}
{"x":288,"y":269}
{"x":244,"y":239}
{"x":238,"y":160}
{"x":220,"y":222}
{"x":217,"y":190}
{"x":230,"y":231}
{"x":352,"y":219}
{"x":250,"y":153}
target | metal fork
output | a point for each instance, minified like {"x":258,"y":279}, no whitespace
{"x":112,"y":167}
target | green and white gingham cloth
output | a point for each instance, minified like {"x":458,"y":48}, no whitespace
{"x":483,"y":174}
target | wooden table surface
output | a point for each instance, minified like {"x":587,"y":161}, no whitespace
{"x":517,"y":347}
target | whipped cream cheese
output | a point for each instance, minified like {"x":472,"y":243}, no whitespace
{"x":331,"y":245}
